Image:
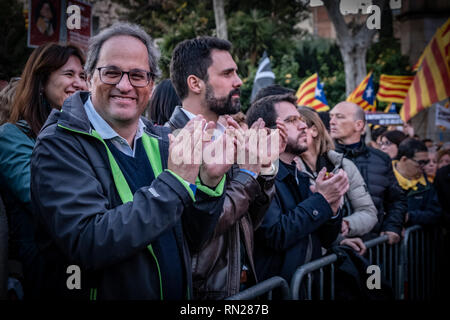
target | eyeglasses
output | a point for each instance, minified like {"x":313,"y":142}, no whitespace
{"x":386,"y":143}
{"x":421,"y":163}
{"x":137,"y":77}
{"x":295,"y":120}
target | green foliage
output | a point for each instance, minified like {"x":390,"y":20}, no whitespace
{"x":256,"y":26}
{"x":322,"y":56}
{"x":13,"y":39}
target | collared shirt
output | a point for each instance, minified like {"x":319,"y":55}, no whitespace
{"x":218,"y":131}
{"x":406,"y":183}
{"x":107,"y":133}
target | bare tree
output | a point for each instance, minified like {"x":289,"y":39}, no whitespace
{"x":354,"y":39}
{"x":221,"y":21}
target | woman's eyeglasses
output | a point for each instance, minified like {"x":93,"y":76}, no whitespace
{"x":386,"y":143}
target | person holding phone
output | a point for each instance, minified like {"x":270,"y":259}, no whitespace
{"x":360,"y":214}
{"x":300,"y":220}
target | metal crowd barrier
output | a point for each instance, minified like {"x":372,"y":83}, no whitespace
{"x":265,"y":287}
{"x":413,"y":268}
{"x":410,"y":267}
{"x":306,"y":270}
{"x":419,"y":270}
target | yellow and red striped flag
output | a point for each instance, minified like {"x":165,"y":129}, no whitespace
{"x":418,"y":63}
{"x":311,"y":94}
{"x":432,"y":81}
{"x":364,"y":95}
{"x":394,"y":88}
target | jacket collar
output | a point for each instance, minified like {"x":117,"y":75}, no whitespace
{"x":178,"y":119}
{"x":342,"y":148}
{"x":73,"y":116}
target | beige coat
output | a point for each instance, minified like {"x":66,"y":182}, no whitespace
{"x":364,"y":212}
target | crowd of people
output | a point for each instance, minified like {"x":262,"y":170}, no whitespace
{"x":86,"y":180}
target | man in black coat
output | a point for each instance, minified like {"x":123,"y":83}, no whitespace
{"x":347,"y":122}
{"x":298,"y":222}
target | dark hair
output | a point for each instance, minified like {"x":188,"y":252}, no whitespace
{"x":409,"y":147}
{"x":378,"y":132}
{"x":264,"y":108}
{"x":163,"y":102}
{"x":325,"y":117}
{"x":29,"y":103}
{"x":193,"y":57}
{"x":442,"y":153}
{"x":273,"y":89}
{"x":121,"y":29}
{"x":394,"y":136}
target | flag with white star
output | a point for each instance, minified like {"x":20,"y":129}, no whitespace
{"x":311,"y":94}
{"x":364,"y":94}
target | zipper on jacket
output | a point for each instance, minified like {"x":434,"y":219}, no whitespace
{"x":150,"y":144}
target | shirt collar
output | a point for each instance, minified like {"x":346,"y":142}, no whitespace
{"x":405,"y":183}
{"x":102,"y":127}
{"x":220,"y":129}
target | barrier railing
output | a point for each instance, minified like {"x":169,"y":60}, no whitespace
{"x":328,"y":261}
{"x":262,"y":288}
{"x":411,"y":267}
{"x":419,"y":273}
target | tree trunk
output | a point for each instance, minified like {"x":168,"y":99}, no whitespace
{"x":353,"y":44}
{"x":354,"y":58}
{"x":221,"y":21}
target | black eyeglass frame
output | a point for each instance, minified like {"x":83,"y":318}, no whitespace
{"x":150,"y":76}
{"x":421,"y":163}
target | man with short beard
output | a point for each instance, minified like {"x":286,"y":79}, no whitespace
{"x":300,"y":220}
{"x":205,"y":77}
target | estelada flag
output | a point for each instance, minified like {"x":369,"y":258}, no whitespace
{"x":310,"y":94}
{"x":432,"y":81}
{"x":364,"y":94}
{"x":394,"y":88}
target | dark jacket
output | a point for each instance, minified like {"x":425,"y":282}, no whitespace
{"x":296,"y":218}
{"x":389,"y":199}
{"x":217,"y":267}
{"x":352,"y":275}
{"x":83,"y":221}
{"x":442,"y":186}
{"x":423,"y":205}
{"x":16,"y":146}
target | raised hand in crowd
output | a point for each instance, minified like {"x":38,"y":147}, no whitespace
{"x":332,"y":187}
{"x":214,"y":166}
{"x":182,"y":164}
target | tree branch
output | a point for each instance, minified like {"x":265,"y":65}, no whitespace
{"x":342,"y":30}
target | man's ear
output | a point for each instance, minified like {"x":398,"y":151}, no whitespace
{"x":360,"y":125}
{"x":195,"y":84}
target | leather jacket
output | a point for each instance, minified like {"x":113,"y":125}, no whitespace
{"x":217,"y":266}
